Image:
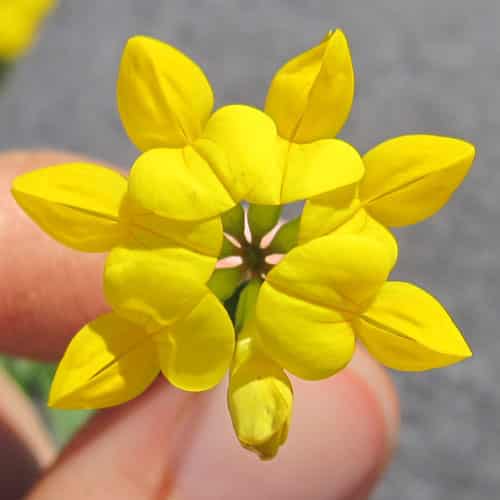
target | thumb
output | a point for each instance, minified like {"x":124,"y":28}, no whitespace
{"x":171,"y":444}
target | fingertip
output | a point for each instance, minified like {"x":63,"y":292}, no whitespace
{"x":384,"y":391}
{"x":131,"y":451}
{"x":47,"y":291}
{"x":183,"y":445}
{"x":339,"y":443}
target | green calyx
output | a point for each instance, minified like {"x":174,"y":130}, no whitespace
{"x":246,"y":303}
{"x":237,"y":283}
{"x":261,"y":219}
{"x":254,"y":260}
{"x":286,"y":238}
{"x":233,"y":222}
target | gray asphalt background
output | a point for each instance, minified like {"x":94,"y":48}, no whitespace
{"x":422,"y":66}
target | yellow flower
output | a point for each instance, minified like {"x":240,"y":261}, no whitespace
{"x":154,"y":281}
{"x":113,"y":359}
{"x":332,"y":285}
{"x":333,"y":288}
{"x":407,"y":179}
{"x":19,"y":23}
{"x":198,"y":164}
{"x":179,"y":213}
{"x":260,"y":395}
{"x":329,"y":291}
{"x":309,"y":99}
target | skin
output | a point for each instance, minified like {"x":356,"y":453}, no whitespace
{"x":166,"y":444}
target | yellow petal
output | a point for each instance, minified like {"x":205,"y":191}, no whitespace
{"x":410,"y":178}
{"x":108,"y":362}
{"x":319,"y":167}
{"x":164,"y":98}
{"x":21,"y":20}
{"x":155,"y":285}
{"x":310,"y":97}
{"x":363,"y":224}
{"x":339,"y":212}
{"x":195,"y":352}
{"x":181,"y":184}
{"x":155,"y":232}
{"x":339,"y":271}
{"x":78,"y":204}
{"x":249,"y":140}
{"x":325,"y":213}
{"x":260,"y":398}
{"x":309,"y":340}
{"x":407,"y":329}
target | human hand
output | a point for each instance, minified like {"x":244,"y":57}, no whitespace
{"x":165,"y":443}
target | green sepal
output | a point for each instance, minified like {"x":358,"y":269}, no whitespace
{"x":286,"y":238}
{"x":261,"y":219}
{"x":232,"y":302}
{"x":224,"y":282}
{"x":233,"y":222}
{"x":246,"y":303}
{"x":227,"y":249}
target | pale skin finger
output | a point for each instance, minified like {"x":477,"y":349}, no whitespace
{"x":169,"y":444}
{"x":43,"y":283}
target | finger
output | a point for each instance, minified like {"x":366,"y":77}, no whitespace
{"x":47,"y":291}
{"x":169,"y":444}
{"x":25,"y":446}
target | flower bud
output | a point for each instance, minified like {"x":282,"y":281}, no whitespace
{"x":260,"y":398}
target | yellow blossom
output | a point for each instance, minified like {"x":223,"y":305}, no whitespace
{"x":341,"y":232}
{"x":19,"y":23}
{"x":154,"y":281}
{"x":260,"y":398}
{"x":114,"y":358}
{"x":260,"y":395}
{"x":198,"y":164}
{"x":179,"y":213}
{"x":329,"y":291}
{"x":309,"y":99}
{"x":407,"y":179}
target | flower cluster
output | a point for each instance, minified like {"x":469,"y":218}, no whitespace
{"x":195,"y":286}
{"x":19,"y":24}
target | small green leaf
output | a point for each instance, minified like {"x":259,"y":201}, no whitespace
{"x":233,"y":222}
{"x":286,"y":238}
{"x":232,"y":302}
{"x":246,"y":303}
{"x":224,"y":282}
{"x":227,"y":249}
{"x":65,"y":423}
{"x":261,"y":219}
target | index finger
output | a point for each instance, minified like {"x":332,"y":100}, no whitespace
{"x":47,"y":291}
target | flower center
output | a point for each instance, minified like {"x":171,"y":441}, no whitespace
{"x":255,"y":240}
{"x":254,"y":260}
